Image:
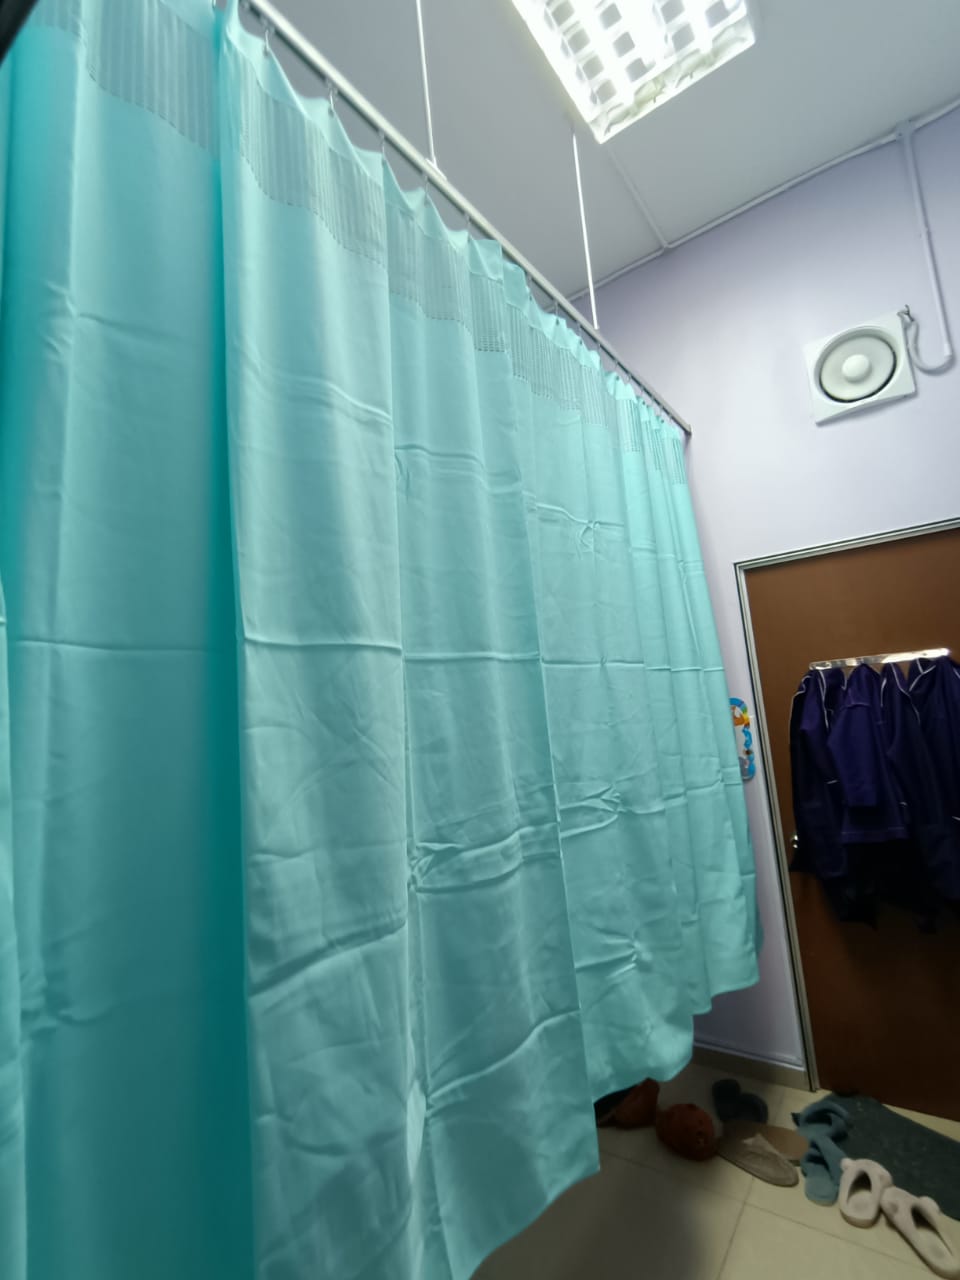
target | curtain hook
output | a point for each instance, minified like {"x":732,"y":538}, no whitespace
{"x":333,"y":99}
{"x":266,"y":41}
{"x":383,"y":143}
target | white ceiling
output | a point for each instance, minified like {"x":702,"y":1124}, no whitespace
{"x":825,"y":77}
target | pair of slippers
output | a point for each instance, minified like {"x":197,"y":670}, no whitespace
{"x":866,"y":1190}
{"x":686,"y":1129}
{"x":766,"y":1151}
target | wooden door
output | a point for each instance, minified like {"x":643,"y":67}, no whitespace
{"x":885,"y":1002}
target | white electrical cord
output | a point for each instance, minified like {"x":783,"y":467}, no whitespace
{"x":911,"y":324}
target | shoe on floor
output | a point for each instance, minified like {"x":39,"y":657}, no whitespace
{"x":731,"y":1103}
{"x":920,"y":1222}
{"x":822,"y":1171}
{"x":822,"y":1119}
{"x":639,"y":1108}
{"x":862,"y":1183}
{"x":687,"y":1130}
{"x":788,"y":1142}
{"x":604,"y":1108}
{"x":757,"y":1156}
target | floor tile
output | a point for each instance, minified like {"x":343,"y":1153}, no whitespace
{"x":766,"y":1245}
{"x":641,"y":1146}
{"x":628,"y":1221}
{"x":791,"y":1203}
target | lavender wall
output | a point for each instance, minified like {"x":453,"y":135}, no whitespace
{"x":718,"y":326}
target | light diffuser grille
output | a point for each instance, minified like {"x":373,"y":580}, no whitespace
{"x":618,"y":59}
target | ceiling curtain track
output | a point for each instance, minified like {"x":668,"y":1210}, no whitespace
{"x":290,"y":36}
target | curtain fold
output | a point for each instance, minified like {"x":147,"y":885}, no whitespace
{"x":373,"y":799}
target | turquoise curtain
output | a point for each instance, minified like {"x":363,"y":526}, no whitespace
{"x":368,"y":794}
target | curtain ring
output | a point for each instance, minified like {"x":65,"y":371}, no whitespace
{"x":266,"y":41}
{"x":383,"y":143}
{"x":333,"y":99}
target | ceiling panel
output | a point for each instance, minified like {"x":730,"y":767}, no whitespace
{"x":371,"y":42}
{"x":824,"y":77}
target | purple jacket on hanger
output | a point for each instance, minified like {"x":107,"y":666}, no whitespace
{"x":874,"y":806}
{"x":936,"y":834}
{"x":817,"y":803}
{"x":935,"y":688}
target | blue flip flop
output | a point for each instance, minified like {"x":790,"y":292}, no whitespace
{"x":822,"y":1119}
{"x":821,"y":1169}
{"x":731,"y":1103}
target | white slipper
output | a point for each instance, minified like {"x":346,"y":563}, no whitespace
{"x":920,"y":1222}
{"x":862,"y":1183}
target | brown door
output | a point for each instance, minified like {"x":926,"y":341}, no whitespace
{"x":885,"y":1002}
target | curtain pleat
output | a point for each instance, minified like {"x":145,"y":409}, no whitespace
{"x":372,"y":800}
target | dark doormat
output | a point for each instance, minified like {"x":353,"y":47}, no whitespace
{"x":920,"y":1160}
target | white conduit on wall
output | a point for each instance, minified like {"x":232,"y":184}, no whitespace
{"x":912,"y":325}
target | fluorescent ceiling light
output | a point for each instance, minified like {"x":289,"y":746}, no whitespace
{"x":618,"y":59}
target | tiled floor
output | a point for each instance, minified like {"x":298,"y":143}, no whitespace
{"x":650,"y":1215}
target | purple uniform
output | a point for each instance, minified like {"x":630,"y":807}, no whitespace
{"x":818,"y":801}
{"x":817,"y":804}
{"x":935,"y":688}
{"x":874,"y":807}
{"x":872,"y":824}
{"x":936,"y":833}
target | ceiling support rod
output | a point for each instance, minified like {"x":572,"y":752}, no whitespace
{"x":428,"y":114}
{"x":583,"y":229}
{"x":289,"y":35}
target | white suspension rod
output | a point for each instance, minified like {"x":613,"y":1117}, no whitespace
{"x":427,"y":112}
{"x":583,"y":228}
{"x":298,"y":44}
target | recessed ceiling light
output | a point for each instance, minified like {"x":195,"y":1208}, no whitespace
{"x":618,"y":59}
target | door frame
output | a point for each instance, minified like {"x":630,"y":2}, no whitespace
{"x":742,"y":568}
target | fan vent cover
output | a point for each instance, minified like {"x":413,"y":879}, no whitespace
{"x":859,"y":367}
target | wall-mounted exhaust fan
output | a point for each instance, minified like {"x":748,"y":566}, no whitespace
{"x":858,"y":367}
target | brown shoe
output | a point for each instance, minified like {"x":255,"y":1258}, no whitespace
{"x":687,"y":1130}
{"x":638,"y":1109}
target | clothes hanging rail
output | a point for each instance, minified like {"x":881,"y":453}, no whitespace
{"x":879,"y":659}
{"x":285,"y":31}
